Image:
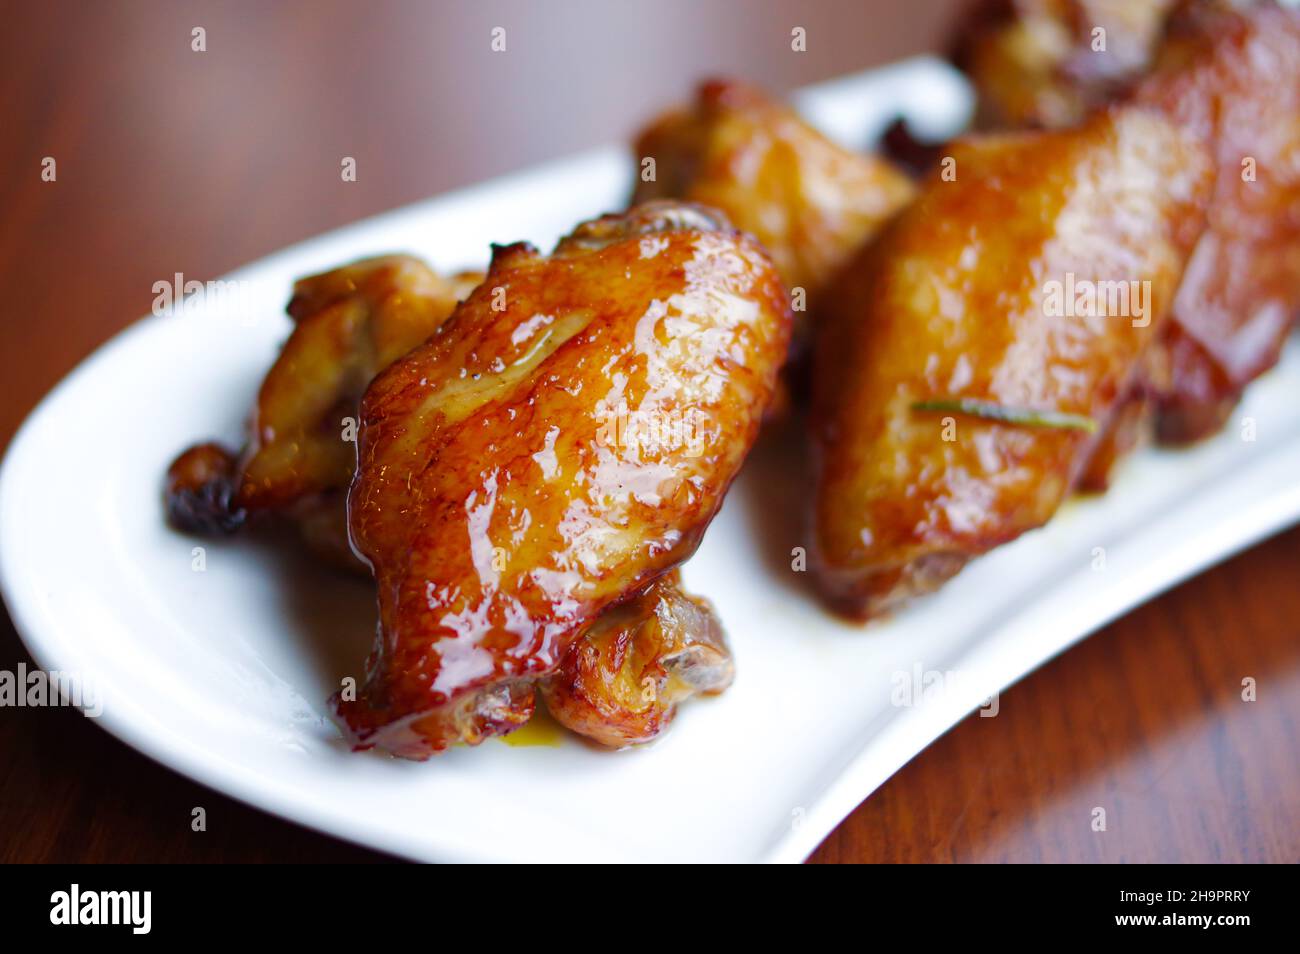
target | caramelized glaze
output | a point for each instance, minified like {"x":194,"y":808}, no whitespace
{"x":952,"y":300}
{"x":499,"y":517}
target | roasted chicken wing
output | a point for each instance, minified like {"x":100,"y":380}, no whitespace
{"x":558,"y":447}
{"x":349,"y":324}
{"x":1046,"y":63}
{"x":972,"y":354}
{"x":811,"y":202}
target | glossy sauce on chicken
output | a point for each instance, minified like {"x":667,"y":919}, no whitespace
{"x":951,"y":380}
{"x":560,"y":444}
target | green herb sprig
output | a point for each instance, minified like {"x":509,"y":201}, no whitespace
{"x":993,"y":411}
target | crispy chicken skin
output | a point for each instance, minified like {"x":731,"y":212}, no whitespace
{"x":623,"y":678}
{"x":1231,"y":78}
{"x":1034,"y":63}
{"x":506,"y":494}
{"x":952,"y":302}
{"x":811,"y":202}
{"x":349,"y":323}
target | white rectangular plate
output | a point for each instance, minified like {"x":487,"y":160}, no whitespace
{"x":222,"y":674}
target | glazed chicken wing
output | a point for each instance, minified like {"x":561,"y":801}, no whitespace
{"x":1042,"y":63}
{"x":811,"y":202}
{"x":350,"y":323}
{"x":961,"y":376}
{"x":560,"y":445}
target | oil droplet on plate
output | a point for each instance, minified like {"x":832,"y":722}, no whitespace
{"x":541,"y":730}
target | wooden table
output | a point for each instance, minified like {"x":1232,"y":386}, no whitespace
{"x":171,"y":160}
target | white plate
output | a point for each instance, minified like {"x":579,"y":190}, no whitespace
{"x":222,"y":674}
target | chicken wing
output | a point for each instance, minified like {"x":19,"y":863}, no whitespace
{"x":963,"y":372}
{"x":320,"y":375}
{"x":1046,"y":63}
{"x":559,"y":446}
{"x":811,"y":202}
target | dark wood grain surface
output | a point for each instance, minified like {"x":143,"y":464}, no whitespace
{"x":171,"y":160}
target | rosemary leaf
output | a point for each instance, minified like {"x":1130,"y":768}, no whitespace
{"x":992,"y":411}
